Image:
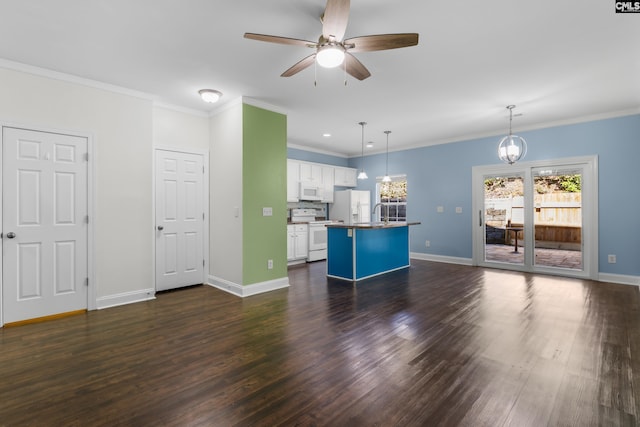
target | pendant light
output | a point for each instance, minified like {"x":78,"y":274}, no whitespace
{"x":362,"y":174}
{"x":386,"y":177}
{"x":512,"y":147}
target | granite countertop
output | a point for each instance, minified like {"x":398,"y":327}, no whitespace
{"x":365,"y":225}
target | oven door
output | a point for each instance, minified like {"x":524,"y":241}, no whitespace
{"x":317,"y":242}
{"x":317,"y":237}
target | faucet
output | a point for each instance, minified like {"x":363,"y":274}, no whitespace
{"x":386,"y":217}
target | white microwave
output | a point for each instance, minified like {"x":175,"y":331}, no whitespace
{"x":309,"y":191}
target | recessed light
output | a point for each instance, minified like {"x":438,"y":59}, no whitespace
{"x":210,"y":95}
{"x":369,"y":144}
{"x":326,"y":135}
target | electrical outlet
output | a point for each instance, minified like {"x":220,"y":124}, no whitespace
{"x":611,"y":259}
{"x":270,"y":264}
{"x":440,"y":209}
{"x":427,"y":243}
{"x":458,"y":210}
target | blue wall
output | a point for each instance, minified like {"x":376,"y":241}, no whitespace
{"x":440,"y":175}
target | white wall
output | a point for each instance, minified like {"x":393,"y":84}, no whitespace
{"x":177,"y":129}
{"x":225,"y":190}
{"x":121,"y":126}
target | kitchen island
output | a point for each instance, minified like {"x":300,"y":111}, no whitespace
{"x":359,"y":251}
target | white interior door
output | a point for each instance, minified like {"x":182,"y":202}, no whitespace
{"x":179,"y":219}
{"x":44,"y":224}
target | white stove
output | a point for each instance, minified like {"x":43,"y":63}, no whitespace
{"x":317,"y":232}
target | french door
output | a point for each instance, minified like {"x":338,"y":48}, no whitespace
{"x":537,"y":217}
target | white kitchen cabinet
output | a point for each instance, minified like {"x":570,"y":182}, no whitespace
{"x":345,"y":177}
{"x":293,"y":180}
{"x":297,"y":241}
{"x":311,"y":172}
{"x":328,"y":181}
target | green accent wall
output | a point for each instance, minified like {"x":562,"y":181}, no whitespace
{"x":264,"y":184}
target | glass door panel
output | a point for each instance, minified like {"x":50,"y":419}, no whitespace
{"x":557,"y":217}
{"x":504,"y":219}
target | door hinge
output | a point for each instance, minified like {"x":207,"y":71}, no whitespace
{"x":203,"y":263}
{"x":203,"y":216}
{"x":86,"y":281}
{"x":86,"y":219}
{"x":202,"y":169}
{"x":86,"y":157}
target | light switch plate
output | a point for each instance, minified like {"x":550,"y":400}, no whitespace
{"x":440,"y":209}
{"x":267,"y":211}
{"x":458,"y":209}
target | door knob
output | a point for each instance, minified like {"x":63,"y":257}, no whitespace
{"x":11,"y":235}
{"x":160,"y":228}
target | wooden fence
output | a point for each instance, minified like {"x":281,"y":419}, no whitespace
{"x":557,"y":218}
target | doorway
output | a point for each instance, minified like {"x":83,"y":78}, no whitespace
{"x":180,"y":218}
{"x":46,"y":250}
{"x":537,"y":217}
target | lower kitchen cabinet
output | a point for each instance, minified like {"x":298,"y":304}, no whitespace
{"x":297,"y":242}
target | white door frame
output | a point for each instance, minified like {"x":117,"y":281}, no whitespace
{"x":589,"y":213}
{"x":91,"y":291}
{"x":205,"y":198}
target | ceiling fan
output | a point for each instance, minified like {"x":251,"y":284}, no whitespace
{"x":332,"y":50}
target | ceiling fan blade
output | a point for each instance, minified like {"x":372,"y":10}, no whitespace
{"x":355,"y":67}
{"x":381,"y":42}
{"x":299,"y":66}
{"x":280,"y":40}
{"x":335,"y":19}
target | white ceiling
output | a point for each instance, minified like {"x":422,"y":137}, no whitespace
{"x":558,"y":61}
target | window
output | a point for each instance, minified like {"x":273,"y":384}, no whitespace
{"x":393,"y":196}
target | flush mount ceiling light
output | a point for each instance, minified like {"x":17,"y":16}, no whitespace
{"x":210,"y":95}
{"x":386,"y":177}
{"x":369,"y":144}
{"x":362,"y":174}
{"x":330,"y":55}
{"x":512,"y":147}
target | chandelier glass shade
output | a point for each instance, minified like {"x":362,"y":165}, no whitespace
{"x":512,"y":147}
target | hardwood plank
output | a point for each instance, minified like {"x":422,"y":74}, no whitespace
{"x":435,"y":344}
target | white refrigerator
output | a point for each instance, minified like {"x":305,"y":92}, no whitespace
{"x":351,"y":206}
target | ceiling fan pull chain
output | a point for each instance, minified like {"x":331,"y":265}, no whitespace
{"x":344,"y":68}
{"x":315,"y":73}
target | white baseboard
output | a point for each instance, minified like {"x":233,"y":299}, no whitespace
{"x":125,"y":298}
{"x":248,"y":290}
{"x":441,"y":258}
{"x":619,"y":278}
{"x":602,"y":277}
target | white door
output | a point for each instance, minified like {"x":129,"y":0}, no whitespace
{"x":537,"y":217}
{"x":44,"y":224}
{"x":179,"y":219}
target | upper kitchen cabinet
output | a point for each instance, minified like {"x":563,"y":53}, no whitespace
{"x":328,"y":179}
{"x":311,"y":173}
{"x":345,"y":177}
{"x":293,"y":180}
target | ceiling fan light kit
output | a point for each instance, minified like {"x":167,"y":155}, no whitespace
{"x":330,"y":55}
{"x":332,"y":50}
{"x":210,"y":95}
{"x":512,"y":147}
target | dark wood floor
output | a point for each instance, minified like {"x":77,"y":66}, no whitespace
{"x":435,"y":344}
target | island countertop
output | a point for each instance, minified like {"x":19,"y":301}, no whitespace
{"x":378,"y":224}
